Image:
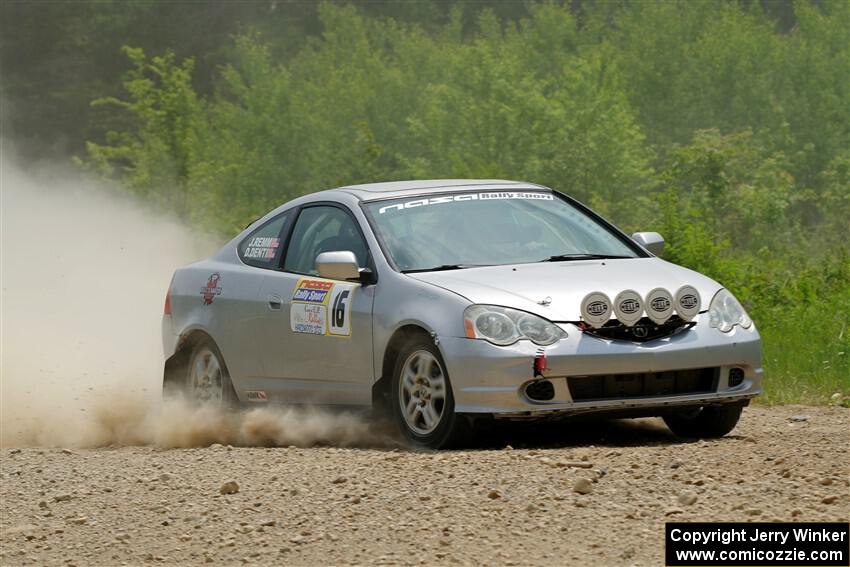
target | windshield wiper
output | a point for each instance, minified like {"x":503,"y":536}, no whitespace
{"x":443,"y":268}
{"x":568,"y":257}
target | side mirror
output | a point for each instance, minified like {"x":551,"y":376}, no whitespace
{"x":338,"y":265}
{"x":652,"y":241}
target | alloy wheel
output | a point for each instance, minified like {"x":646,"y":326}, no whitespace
{"x":422,"y":394}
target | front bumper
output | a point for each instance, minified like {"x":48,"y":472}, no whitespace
{"x":489,"y":379}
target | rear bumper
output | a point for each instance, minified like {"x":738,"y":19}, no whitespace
{"x":169,"y":337}
{"x":490,"y":379}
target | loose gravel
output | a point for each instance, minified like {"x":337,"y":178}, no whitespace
{"x":562,"y":494}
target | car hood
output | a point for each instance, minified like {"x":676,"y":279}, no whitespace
{"x":527,"y":286}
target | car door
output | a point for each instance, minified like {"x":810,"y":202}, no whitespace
{"x":233,"y":294}
{"x":317,"y":333}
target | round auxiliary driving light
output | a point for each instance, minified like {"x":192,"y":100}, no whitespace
{"x":687,"y":302}
{"x":628,"y":306}
{"x":659,"y":305}
{"x":596,"y":309}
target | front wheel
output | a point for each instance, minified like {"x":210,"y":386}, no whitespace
{"x":707,"y":422}
{"x":422,"y":401}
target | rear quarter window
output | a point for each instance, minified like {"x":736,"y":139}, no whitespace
{"x":263,"y":247}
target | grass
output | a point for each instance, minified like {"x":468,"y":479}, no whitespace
{"x":806,"y":352}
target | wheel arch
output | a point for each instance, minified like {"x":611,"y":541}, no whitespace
{"x":382,"y":387}
{"x":175,"y":367}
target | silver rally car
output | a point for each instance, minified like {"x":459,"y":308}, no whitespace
{"x":442,"y":302}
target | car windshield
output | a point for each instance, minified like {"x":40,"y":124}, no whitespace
{"x":460,"y":230}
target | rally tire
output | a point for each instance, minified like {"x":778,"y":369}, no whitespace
{"x":421,"y":399}
{"x":207,"y":381}
{"x":707,"y":423}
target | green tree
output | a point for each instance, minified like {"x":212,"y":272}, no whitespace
{"x":154,"y":156}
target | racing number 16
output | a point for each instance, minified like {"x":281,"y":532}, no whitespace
{"x":340,"y":310}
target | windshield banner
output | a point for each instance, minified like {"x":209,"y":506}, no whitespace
{"x":489,"y":196}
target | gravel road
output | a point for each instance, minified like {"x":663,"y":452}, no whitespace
{"x":569,"y":494}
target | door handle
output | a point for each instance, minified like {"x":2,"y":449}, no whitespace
{"x":275,"y":302}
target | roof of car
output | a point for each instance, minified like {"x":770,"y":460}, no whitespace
{"x":371,"y":191}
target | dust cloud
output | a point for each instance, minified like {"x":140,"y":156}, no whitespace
{"x":84,"y":272}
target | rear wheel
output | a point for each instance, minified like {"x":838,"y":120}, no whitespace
{"x":422,"y":401}
{"x":707,"y":422}
{"x":207,"y":380}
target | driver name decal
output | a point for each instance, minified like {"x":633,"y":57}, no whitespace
{"x":491,"y":196}
{"x":321,"y":308}
{"x":262,"y":247}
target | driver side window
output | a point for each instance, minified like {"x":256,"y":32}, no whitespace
{"x":322,"y":229}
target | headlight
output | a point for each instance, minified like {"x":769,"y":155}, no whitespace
{"x":725,"y":312}
{"x":504,"y":326}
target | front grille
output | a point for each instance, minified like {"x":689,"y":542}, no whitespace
{"x":736,"y":376}
{"x":647,"y":384}
{"x":642,"y":331}
{"x":541,"y":390}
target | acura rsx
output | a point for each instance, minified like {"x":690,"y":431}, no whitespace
{"x":445,"y":302}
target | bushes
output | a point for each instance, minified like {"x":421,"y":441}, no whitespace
{"x":736,"y":215}
{"x":698,"y":119}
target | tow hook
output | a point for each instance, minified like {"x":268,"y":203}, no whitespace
{"x":539,"y":365}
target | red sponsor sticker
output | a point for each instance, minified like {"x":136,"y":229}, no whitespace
{"x":315,"y":284}
{"x":209,"y":291}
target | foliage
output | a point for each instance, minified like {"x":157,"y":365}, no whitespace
{"x":724,"y":125}
{"x":58,"y":56}
{"x":155,"y":156}
{"x":734,"y":214}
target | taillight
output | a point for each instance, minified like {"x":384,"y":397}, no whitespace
{"x":167,"y":309}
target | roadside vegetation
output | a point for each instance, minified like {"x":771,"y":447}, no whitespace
{"x":723,"y":126}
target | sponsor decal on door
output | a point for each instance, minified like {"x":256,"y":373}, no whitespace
{"x":321,"y":308}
